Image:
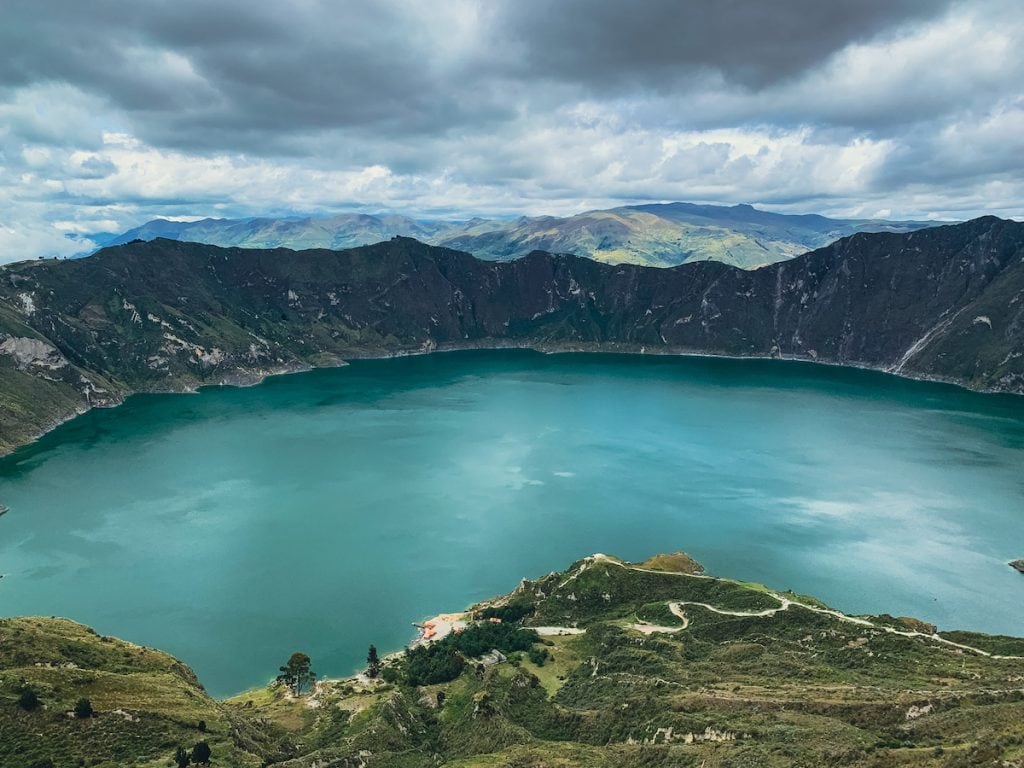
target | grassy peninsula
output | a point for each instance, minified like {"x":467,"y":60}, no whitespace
{"x":604,"y":664}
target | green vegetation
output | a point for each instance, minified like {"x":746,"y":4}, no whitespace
{"x":201,"y":753}
{"x":297,"y":673}
{"x":28,"y":700}
{"x":793,"y":685}
{"x":427,"y":665}
{"x":143,"y":703}
{"x":510,"y":612}
{"x":482,"y":638}
{"x":444,"y":660}
{"x":999,"y":644}
{"x":83,"y":709}
{"x":373,"y":663}
{"x":676,"y":562}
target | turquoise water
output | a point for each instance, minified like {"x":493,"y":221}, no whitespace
{"x":326,"y":511}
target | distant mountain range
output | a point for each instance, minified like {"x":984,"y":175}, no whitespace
{"x":943,"y":303}
{"x":653,"y":235}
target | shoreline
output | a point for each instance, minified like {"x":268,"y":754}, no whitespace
{"x":455,"y":621}
{"x":242,"y":378}
{"x":452,"y":621}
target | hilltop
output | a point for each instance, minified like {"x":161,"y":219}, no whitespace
{"x":603,"y":664}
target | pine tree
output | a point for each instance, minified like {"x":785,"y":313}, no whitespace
{"x":201,"y":753}
{"x":83,"y":709}
{"x":373,"y":664}
{"x":28,"y":700}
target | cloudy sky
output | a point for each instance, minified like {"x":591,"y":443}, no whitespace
{"x":114,"y":112}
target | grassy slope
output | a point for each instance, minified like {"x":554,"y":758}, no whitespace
{"x":799,"y":687}
{"x":795,"y":688}
{"x":146,"y":703}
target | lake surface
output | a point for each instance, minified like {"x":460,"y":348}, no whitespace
{"x":326,"y":511}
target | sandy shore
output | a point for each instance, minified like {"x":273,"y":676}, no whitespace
{"x":440,"y":626}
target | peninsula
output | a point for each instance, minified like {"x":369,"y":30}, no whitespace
{"x":606,"y":663}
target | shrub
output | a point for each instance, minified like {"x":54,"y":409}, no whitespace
{"x":201,"y":753}
{"x":28,"y":700}
{"x":538,"y":656}
{"x":83,"y":709}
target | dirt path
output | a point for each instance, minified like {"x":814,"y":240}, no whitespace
{"x":650,"y":629}
{"x":785,"y":604}
{"x":557,"y":631}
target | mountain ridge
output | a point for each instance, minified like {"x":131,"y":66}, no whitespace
{"x":946,"y":303}
{"x":656,"y":234}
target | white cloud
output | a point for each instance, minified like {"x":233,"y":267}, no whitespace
{"x":922,"y":120}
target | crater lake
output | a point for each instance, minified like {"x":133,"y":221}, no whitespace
{"x":328,"y":510}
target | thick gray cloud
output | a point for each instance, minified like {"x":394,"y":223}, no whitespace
{"x":113,"y":111}
{"x":233,"y":74}
{"x":659,"y":44}
{"x":229,"y":74}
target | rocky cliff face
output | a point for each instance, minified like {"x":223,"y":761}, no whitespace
{"x":944,"y":303}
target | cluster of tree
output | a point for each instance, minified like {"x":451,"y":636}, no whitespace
{"x":485,"y":637}
{"x":297,"y":673}
{"x":510,"y":613}
{"x":444,"y":660}
{"x":200,"y":755}
{"x":429,"y":664}
{"x":373,"y":663}
{"x":29,"y":701}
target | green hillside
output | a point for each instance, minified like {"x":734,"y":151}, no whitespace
{"x":604,"y":664}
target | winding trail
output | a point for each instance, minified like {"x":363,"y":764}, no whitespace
{"x":785,"y":603}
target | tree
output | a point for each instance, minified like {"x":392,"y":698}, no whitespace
{"x":373,"y":664}
{"x":201,"y":753}
{"x":181,"y":758}
{"x":430,"y":664}
{"x":83,"y":709}
{"x":297,"y":673}
{"x":28,"y":700}
{"x":538,"y":656}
